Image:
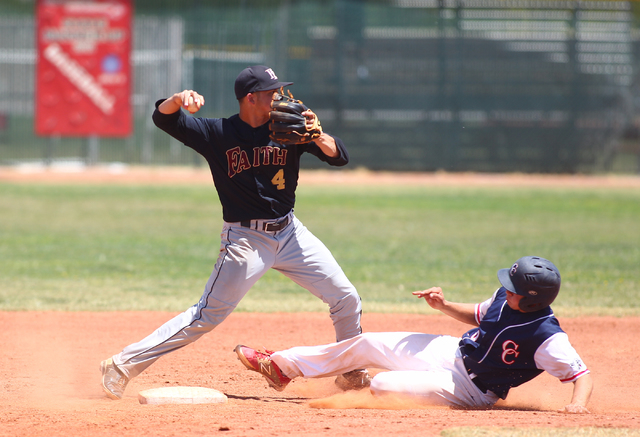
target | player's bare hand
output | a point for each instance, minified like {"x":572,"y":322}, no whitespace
{"x":434,"y":297}
{"x":309,"y":115}
{"x":574,"y":409}
{"x":189,"y":100}
{"x":311,"y":120}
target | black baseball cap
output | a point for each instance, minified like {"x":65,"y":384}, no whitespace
{"x":257,"y":78}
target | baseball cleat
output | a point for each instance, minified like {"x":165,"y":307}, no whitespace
{"x":113,"y":380}
{"x":353,"y":380}
{"x":261,"y":363}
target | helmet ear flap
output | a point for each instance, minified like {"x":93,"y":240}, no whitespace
{"x":530,"y":304}
{"x":534,"y":278}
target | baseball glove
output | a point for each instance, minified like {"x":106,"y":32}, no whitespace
{"x":288,"y":126}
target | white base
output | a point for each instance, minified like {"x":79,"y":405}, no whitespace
{"x":181,"y":395}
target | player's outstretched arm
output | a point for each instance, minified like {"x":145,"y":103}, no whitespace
{"x":463,"y":312}
{"x":326,"y":142}
{"x":582,"y":388}
{"x":187,"y":99}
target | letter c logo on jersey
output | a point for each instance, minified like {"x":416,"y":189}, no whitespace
{"x":509,"y":348}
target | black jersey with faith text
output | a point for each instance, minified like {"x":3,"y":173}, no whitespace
{"x":255,"y":177}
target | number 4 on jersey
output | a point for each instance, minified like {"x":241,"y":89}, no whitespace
{"x":278,"y":180}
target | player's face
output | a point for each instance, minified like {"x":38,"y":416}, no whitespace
{"x":264,"y":99}
{"x":513,"y":300}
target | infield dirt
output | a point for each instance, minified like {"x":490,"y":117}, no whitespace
{"x":201,"y":175}
{"x":50,"y":377}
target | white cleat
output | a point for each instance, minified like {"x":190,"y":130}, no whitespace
{"x":113,"y":380}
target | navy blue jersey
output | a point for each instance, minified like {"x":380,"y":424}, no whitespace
{"x":255,"y":177}
{"x":500,"y":352}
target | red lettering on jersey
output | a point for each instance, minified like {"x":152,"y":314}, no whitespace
{"x":238,"y":160}
{"x":267,"y":153}
{"x":244,"y":163}
{"x":279,"y":156}
{"x":232,"y":161}
{"x":509,"y":347}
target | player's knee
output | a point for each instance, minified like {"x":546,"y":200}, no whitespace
{"x":348,"y":310}
{"x":382,"y":384}
{"x":346,"y":318}
{"x":353,"y":302}
{"x":367,"y":339}
{"x":343,"y":301}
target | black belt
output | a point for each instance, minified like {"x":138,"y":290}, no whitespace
{"x":268,"y":226}
{"x":483,"y":388}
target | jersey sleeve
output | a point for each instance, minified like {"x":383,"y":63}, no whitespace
{"x":191,"y":131}
{"x":483,"y":307}
{"x":339,"y":161}
{"x":558,"y":357}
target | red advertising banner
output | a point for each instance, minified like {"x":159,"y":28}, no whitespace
{"x":83,"y":77}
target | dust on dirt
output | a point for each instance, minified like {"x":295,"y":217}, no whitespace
{"x":50,"y":377}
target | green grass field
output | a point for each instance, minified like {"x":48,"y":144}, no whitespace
{"x":112,"y":247}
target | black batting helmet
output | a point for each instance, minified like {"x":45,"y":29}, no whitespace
{"x":535,"y":278}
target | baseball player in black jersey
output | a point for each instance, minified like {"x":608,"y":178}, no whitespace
{"x":256,"y":180}
{"x":516,"y":337}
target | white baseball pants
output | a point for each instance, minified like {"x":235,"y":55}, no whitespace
{"x":425,"y":366}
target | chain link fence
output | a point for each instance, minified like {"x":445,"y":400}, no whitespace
{"x":457,"y":85}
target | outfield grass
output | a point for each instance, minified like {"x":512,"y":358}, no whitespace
{"x":107,"y":247}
